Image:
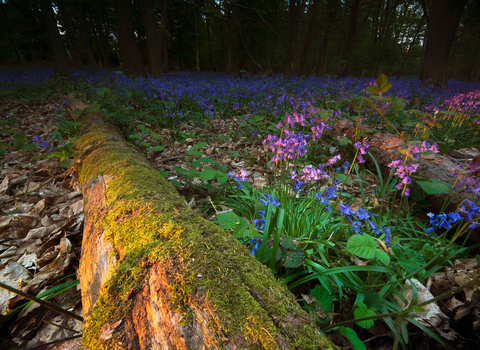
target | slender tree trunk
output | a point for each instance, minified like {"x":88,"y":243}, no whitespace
{"x":155,"y":275}
{"x":87,"y":41}
{"x":209,"y":44}
{"x":197,"y":53}
{"x":308,"y":39}
{"x":322,"y":65}
{"x":294,"y":11}
{"x":71,"y":37}
{"x":350,"y":43}
{"x":60,"y":57}
{"x":131,"y":59}
{"x":442,"y":25}
{"x":154,"y":47}
{"x":163,"y":34}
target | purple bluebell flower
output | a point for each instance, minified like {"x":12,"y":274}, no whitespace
{"x":256,"y":241}
{"x":270,"y":200}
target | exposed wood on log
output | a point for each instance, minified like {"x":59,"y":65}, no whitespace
{"x":385,"y":147}
{"x":155,"y":275}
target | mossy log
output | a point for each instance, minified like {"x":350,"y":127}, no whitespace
{"x":385,"y":147}
{"x":156,"y":275}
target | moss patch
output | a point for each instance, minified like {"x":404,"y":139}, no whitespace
{"x":148,"y":222}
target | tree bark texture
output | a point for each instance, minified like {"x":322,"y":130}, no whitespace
{"x":156,"y":275}
{"x":385,"y":147}
{"x":71,"y":37}
{"x":154,"y":47}
{"x":87,"y":42}
{"x":442,"y":25}
{"x":60,"y":58}
{"x":131,"y":59}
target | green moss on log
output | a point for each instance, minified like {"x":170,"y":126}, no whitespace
{"x":147,"y":221}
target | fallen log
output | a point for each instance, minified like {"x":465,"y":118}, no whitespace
{"x":385,"y":147}
{"x":156,"y":275}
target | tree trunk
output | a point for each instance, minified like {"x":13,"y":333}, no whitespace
{"x":154,"y":47}
{"x":322,"y":65}
{"x":60,"y":57}
{"x":131,"y":59}
{"x":163,"y":34}
{"x":442,"y":25}
{"x":155,"y":275}
{"x":294,"y":11}
{"x":350,"y":43}
{"x":87,"y":42}
{"x":70,"y":31}
{"x":308,"y":39}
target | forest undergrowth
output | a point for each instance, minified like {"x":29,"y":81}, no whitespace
{"x":356,"y":241}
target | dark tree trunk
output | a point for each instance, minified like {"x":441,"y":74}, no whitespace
{"x":60,"y":57}
{"x":163,"y":34}
{"x":131,"y":59}
{"x":308,"y":39}
{"x":70,"y":31}
{"x":197,"y":53}
{"x":294,"y":10}
{"x":322,"y":65}
{"x":87,"y":42}
{"x":410,"y":47}
{"x":442,"y":25}
{"x":154,"y":48}
{"x":352,"y":30}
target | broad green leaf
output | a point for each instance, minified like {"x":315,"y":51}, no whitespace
{"x":19,"y":141}
{"x":29,"y":147}
{"x":222,"y":177}
{"x":206,"y":160}
{"x":344,"y":178}
{"x":382,"y":80}
{"x":222,"y":168}
{"x":199,"y":145}
{"x":163,"y":173}
{"x":287,"y":242}
{"x":374,"y":89}
{"x":323,"y":297}
{"x":208,"y":174}
{"x":362,"y":246}
{"x":386,"y":87}
{"x":350,"y":334}
{"x":434,"y":186}
{"x":197,"y":164}
{"x":293,"y":259}
{"x":228,"y":220}
{"x":363,"y":311}
{"x":192,"y":152}
{"x":382,"y":256}
{"x":182,"y":171}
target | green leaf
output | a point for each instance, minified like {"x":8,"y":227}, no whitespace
{"x":208,"y":174}
{"x":206,"y":160}
{"x":350,"y":334}
{"x":19,"y":141}
{"x":374,"y":89}
{"x":362,"y":246}
{"x":29,"y":147}
{"x":418,"y":309}
{"x":363,"y":311}
{"x":222,"y":177}
{"x":382,"y":80}
{"x":344,"y":178}
{"x":158,"y":148}
{"x":323,"y":297}
{"x":386,"y":87}
{"x":163,"y":173}
{"x":434,"y":186}
{"x":293,"y":259}
{"x":382,"y":256}
{"x":182,"y":171}
{"x":199,"y":145}
{"x":287,"y":242}
{"x":192,"y":152}
{"x":197,"y":164}
{"x":228,"y":220}
{"x":101,"y":92}
{"x":222,"y":168}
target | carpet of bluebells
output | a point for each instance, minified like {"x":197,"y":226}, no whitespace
{"x":352,"y":257}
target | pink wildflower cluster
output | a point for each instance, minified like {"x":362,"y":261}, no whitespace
{"x":309,"y":174}
{"x":404,"y":169}
{"x":469,"y":102}
{"x":292,"y":146}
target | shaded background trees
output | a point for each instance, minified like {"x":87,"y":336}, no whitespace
{"x":433,"y":39}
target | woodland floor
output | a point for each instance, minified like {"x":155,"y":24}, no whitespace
{"x":41,"y":246}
